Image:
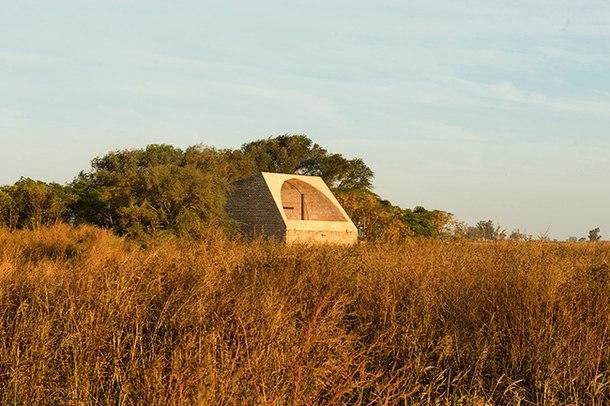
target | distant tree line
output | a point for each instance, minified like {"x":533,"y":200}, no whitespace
{"x":593,"y":235}
{"x":487,"y":230}
{"x":162,"y":189}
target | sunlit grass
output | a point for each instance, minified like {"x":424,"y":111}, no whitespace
{"x":86,"y":317}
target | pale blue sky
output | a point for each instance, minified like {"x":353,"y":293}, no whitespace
{"x":486,"y":109}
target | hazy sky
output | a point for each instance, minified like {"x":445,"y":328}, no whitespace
{"x":496,"y":110}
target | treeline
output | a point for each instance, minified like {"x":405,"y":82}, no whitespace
{"x":162,"y":189}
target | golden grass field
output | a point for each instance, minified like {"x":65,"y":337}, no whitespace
{"x":87,"y":317}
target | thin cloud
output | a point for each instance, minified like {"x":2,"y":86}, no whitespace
{"x":436,"y":131}
{"x":508,"y":92}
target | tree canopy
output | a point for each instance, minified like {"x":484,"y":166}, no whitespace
{"x":298,"y":154}
{"x":595,"y":234}
{"x":159,"y":188}
{"x":378,"y":219}
{"x":164,"y":189}
{"x":30,"y":203}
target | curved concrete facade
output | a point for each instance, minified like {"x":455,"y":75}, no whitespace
{"x":291,"y":208}
{"x":301,"y":201}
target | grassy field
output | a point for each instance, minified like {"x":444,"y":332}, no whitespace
{"x":86,"y":317}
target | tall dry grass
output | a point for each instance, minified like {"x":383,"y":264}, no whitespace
{"x":86,"y":317}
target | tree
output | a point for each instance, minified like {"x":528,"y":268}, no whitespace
{"x":376,"y":219}
{"x":159,"y":188}
{"x":298,"y":154}
{"x":9,"y":214}
{"x":517,"y":235}
{"x":486,"y":230}
{"x":285,"y":153}
{"x":90,"y":206}
{"x":228,"y":163}
{"x":594,"y":235}
{"x":427,"y":223}
{"x":30,"y":203}
{"x":162,"y":188}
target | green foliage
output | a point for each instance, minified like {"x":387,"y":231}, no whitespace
{"x":284,"y":154}
{"x":9,"y":214}
{"x":165,"y":189}
{"x":378,"y":219}
{"x":162,"y":189}
{"x":30,"y":203}
{"x":375,"y":219}
{"x":157,"y":189}
{"x":426,"y":223}
{"x":351,"y":179}
{"x":90,"y":205}
{"x":298,"y":154}
{"x":227,"y":164}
